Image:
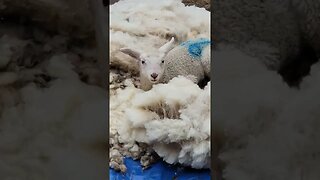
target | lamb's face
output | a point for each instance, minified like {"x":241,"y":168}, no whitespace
{"x":152,"y":67}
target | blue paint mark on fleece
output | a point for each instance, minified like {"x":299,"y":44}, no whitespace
{"x":195,"y":47}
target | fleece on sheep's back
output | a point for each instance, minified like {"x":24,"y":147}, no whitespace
{"x":171,"y":119}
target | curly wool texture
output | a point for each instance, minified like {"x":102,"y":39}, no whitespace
{"x":308,"y":16}
{"x":63,"y":16}
{"x":265,"y":35}
{"x":289,"y":147}
{"x":270,"y":135}
{"x":122,"y":90}
{"x":173,"y":118}
{"x":191,"y":58}
{"x":45,"y":107}
{"x":259,"y":35}
{"x":146,"y":26}
{"x":242,"y":79}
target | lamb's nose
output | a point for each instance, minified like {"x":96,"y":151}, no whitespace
{"x":154,"y":75}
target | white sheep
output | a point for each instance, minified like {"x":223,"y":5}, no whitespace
{"x":284,"y":35}
{"x":190,"y":59}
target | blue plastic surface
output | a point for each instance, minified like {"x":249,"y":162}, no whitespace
{"x":195,"y":46}
{"x":158,"y":171}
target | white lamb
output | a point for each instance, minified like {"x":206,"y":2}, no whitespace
{"x":190,"y":59}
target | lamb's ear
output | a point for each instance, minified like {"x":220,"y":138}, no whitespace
{"x":167,"y":47}
{"x":131,"y":53}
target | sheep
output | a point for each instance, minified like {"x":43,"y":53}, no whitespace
{"x":280,"y":34}
{"x":190,"y":59}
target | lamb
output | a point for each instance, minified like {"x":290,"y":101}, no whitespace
{"x":281,"y":35}
{"x":190,"y":59}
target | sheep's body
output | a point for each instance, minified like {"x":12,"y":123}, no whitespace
{"x":190,"y":59}
{"x":307,"y":13}
{"x":277,"y":31}
{"x":206,"y":60}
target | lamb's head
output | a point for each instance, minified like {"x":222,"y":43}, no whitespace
{"x":151,"y":65}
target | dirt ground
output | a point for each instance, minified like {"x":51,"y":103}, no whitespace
{"x":199,"y":3}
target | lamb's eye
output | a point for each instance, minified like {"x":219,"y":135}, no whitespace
{"x":162,"y":62}
{"x":143,"y":62}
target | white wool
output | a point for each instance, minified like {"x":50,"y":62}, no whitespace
{"x":35,"y":144}
{"x":146,"y":117}
{"x":197,"y":117}
{"x":270,"y":24}
{"x":171,"y":94}
{"x":268,"y":135}
{"x":161,"y":17}
{"x":288,"y":150}
{"x":59,"y":66}
{"x":169,"y":152}
{"x":138,"y":116}
{"x":118,"y":104}
{"x":251,"y":112}
{"x":7,"y":48}
{"x":147,"y":30}
{"x":168,"y":112}
{"x":8,"y":78}
{"x":172,"y":133}
{"x":294,"y":138}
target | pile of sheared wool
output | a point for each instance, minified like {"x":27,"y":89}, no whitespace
{"x":173,"y":119}
{"x":148,"y":25}
{"x":122,"y":89}
{"x":68,"y":17}
{"x":145,"y":27}
{"x":289,"y":147}
{"x":46,"y":105}
{"x":270,"y":131}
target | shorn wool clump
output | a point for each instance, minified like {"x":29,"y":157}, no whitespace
{"x":178,"y":108}
{"x":173,"y":118}
{"x":268,"y":135}
{"x":45,"y":107}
